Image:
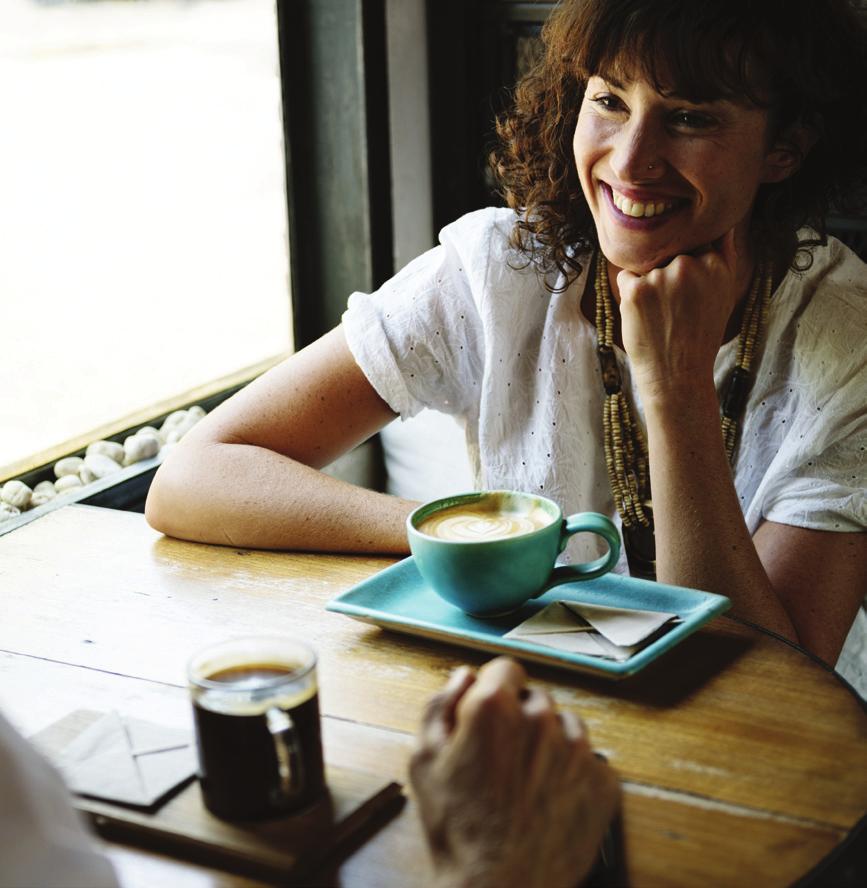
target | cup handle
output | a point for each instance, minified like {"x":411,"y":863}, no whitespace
{"x":585,"y":522}
{"x":290,"y":762}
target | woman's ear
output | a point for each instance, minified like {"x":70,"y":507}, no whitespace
{"x":788,"y":152}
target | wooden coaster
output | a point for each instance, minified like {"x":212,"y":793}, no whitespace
{"x":282,"y":848}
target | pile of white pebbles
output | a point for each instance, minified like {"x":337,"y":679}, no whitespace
{"x":102,"y":458}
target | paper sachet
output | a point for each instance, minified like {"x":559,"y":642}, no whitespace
{"x":594,"y":630}
{"x":127,"y":760}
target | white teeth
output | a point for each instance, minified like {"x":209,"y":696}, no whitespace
{"x":638,"y":209}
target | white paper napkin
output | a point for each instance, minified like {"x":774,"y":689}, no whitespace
{"x":127,"y":760}
{"x":593,"y":629}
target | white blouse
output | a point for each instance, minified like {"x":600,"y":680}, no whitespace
{"x":469,"y":329}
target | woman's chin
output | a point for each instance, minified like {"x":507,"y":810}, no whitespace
{"x":635,"y":263}
{"x":629,"y":257}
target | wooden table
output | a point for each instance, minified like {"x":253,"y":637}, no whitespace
{"x":744,"y":761}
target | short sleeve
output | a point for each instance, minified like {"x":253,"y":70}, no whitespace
{"x":419,"y":339}
{"x":818,"y":475}
{"x":826,"y":492}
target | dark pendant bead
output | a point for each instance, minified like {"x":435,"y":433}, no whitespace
{"x":609,"y":368}
{"x":640,"y":545}
{"x":736,"y":393}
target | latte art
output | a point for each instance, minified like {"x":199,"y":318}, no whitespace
{"x":480,"y":523}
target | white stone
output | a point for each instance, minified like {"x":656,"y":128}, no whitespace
{"x":138,"y":447}
{"x":87,"y":475}
{"x":177,"y":431}
{"x":101,"y":465}
{"x":174,"y":418}
{"x":67,"y":482}
{"x":43,"y":492}
{"x":7,"y":511}
{"x":150,"y":430}
{"x":16,"y":493}
{"x":111,"y":449}
{"x":69,"y":465}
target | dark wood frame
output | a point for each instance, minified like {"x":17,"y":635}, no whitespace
{"x":335,"y":89}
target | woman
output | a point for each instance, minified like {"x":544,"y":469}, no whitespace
{"x":660,"y":166}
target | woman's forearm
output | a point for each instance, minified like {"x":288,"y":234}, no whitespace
{"x":701,"y":538}
{"x":244,"y":495}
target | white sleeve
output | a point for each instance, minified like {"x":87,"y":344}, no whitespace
{"x":821,"y":466}
{"x":419,"y":339}
{"x":825,"y":491}
{"x":43,"y":840}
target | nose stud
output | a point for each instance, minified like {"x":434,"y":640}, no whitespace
{"x":650,"y":166}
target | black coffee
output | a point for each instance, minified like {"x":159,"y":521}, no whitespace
{"x":258,"y":760}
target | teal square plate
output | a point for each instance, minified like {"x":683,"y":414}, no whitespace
{"x":398,"y":598}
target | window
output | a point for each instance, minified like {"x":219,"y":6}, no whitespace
{"x":143,"y":221}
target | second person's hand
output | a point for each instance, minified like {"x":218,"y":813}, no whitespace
{"x":509,"y":790}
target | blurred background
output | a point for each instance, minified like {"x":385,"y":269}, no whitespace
{"x":143,"y":223}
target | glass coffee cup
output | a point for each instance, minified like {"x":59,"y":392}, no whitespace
{"x":256,"y":712}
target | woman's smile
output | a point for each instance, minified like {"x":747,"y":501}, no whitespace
{"x":631,"y":207}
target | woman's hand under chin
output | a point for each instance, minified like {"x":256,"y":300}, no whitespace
{"x":674,"y":318}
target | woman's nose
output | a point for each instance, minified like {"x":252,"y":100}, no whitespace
{"x":638,"y":153}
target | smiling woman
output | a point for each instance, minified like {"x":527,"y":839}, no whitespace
{"x":658,"y":309}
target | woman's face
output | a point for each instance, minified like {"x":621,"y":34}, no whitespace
{"x":663,"y":176}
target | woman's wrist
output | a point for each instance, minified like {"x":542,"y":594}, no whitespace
{"x":667,"y":393}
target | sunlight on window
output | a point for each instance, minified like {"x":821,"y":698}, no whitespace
{"x":143,"y":212}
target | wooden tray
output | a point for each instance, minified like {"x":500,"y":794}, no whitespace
{"x":283,"y":849}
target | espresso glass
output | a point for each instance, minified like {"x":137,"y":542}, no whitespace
{"x":256,"y":711}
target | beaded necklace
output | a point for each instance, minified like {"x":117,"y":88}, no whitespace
{"x":626,"y":456}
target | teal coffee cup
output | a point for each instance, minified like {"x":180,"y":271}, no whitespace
{"x":488,"y":552}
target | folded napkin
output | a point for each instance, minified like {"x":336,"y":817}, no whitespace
{"x":595,"y":630}
{"x":127,"y":760}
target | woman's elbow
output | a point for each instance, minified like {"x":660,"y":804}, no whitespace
{"x":169,"y":499}
{"x":158,"y":509}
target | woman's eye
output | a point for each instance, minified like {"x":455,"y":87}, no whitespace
{"x":692,"y":120}
{"x":607,"y":101}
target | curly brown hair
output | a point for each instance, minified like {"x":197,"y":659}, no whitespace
{"x":803,"y":60}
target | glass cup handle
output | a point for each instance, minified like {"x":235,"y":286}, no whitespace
{"x":290,"y":762}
